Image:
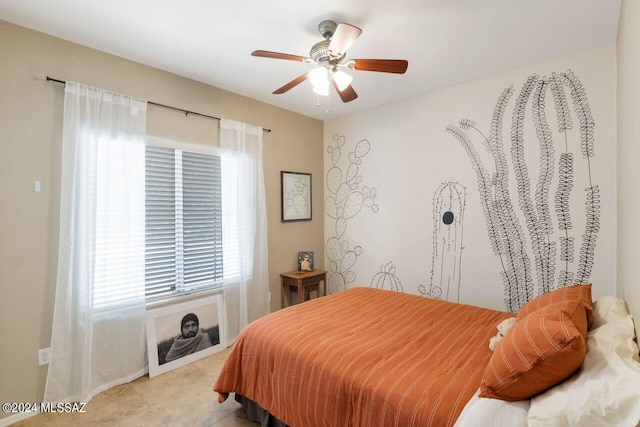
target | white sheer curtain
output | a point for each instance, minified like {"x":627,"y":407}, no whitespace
{"x":98,"y":336}
{"x":244,"y":226}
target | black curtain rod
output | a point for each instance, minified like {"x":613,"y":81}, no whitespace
{"x":186,"y":112}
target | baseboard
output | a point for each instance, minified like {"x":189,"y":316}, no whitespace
{"x":15,"y":418}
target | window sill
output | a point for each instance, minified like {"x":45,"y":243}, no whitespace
{"x":181,"y":297}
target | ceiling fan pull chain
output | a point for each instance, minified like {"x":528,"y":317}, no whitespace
{"x":328,"y":109}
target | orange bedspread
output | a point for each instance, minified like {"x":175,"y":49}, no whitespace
{"x":363,"y":357}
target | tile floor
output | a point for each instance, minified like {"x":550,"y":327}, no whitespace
{"x":182,"y":397}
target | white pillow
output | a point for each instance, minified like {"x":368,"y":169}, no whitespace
{"x":606,"y":389}
{"x":609,"y":309}
{"x":483,"y":412}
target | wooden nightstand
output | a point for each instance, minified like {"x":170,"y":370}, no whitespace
{"x":304,"y":282}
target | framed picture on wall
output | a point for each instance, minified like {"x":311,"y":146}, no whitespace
{"x":296,"y":196}
{"x":182,"y":333}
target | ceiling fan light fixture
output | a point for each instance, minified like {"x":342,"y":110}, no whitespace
{"x":319,"y":76}
{"x":342,"y":80}
{"x":322,"y":89}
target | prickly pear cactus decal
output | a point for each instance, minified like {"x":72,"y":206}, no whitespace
{"x":347,"y":197}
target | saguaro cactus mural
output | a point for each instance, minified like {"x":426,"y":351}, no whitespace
{"x":448,"y":215}
{"x":505,"y":232}
{"x":347,"y":198}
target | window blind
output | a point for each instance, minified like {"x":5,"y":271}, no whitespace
{"x":183,"y":226}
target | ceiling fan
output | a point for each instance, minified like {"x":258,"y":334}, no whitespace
{"x":329,"y":55}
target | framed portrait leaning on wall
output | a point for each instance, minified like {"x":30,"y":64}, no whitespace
{"x":185,"y":332}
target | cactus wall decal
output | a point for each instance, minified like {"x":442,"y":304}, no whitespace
{"x":386,"y":278}
{"x":346,"y":199}
{"x":505,"y":232}
{"x":448,"y":214}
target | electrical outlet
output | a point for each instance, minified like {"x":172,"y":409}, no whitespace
{"x":44,"y":354}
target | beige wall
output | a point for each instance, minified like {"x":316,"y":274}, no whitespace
{"x":628,"y":247}
{"x":30,"y":138}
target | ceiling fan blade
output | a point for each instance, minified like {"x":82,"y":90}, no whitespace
{"x":293,"y":83}
{"x":398,"y":66}
{"x":347,"y":95}
{"x":277,"y":55}
{"x":343,"y":38}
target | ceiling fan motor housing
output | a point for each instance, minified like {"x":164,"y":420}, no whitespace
{"x":320,"y":52}
{"x":327,"y":29}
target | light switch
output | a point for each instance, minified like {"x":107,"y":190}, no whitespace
{"x":36,"y":186}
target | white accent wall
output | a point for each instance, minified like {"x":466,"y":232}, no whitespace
{"x":391,"y":173}
{"x":629,"y":156}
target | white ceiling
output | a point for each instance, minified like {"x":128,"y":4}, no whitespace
{"x":446,"y":42}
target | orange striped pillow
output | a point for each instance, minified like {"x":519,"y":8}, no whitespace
{"x":580,"y":292}
{"x":540,"y":351}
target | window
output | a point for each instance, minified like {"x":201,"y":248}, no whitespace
{"x":183,"y":225}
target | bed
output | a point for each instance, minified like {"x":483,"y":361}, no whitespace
{"x":371,"y":357}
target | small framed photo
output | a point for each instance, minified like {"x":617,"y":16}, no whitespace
{"x":183,"y":333}
{"x":305,"y":261}
{"x":296,"y":196}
